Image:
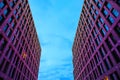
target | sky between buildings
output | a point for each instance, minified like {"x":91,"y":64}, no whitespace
{"x":56,"y":23}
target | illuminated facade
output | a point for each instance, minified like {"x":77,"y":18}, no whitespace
{"x":96,"y":48}
{"x":20,"y":49}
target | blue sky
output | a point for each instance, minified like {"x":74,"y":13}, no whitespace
{"x":56,"y":23}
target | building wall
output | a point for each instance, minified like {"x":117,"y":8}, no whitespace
{"x":19,"y":45}
{"x":96,"y":48}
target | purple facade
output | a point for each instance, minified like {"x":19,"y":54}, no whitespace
{"x":96,"y":48}
{"x":20,"y":49}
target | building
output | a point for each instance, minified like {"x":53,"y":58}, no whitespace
{"x":96,"y":48}
{"x":20,"y":49}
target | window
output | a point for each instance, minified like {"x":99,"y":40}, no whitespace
{"x":118,"y":2}
{"x":6,"y":11}
{"x":13,"y":24}
{"x":103,"y":33}
{"x":113,"y":39}
{"x":116,"y":56}
{"x":6,"y":67}
{"x":115,"y":12}
{"x":105,"y":12}
{"x":2,"y":45}
{"x":107,"y":64}
{"x":110,"y":19}
{"x":101,"y":20}
{"x":102,"y":51}
{"x":1,"y":19}
{"x":2,"y":4}
{"x":98,"y":25}
{"x":109,"y":6}
{"x":15,"y":11}
{"x":118,"y":48}
{"x":99,"y":5}
{"x":9,"y":33}
{"x":117,"y":30}
{"x":106,"y":27}
{"x":115,"y":76}
{"x":12,"y":4}
{"x":96,"y":12}
{"x":109,"y":44}
{"x":10,"y":20}
{"x":5,"y":27}
{"x":96,"y":1}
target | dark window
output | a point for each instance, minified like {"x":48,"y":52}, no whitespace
{"x":116,"y":56}
{"x":1,"y":19}
{"x":115,"y":76}
{"x":113,"y":39}
{"x":109,"y":44}
{"x":117,"y":30}
{"x":98,"y":25}
{"x":9,"y":33}
{"x":118,"y":48}
{"x":10,"y":20}
{"x":103,"y":32}
{"x":118,"y":2}
{"x":107,"y":64}
{"x":102,"y":51}
{"x":115,"y":12}
{"x":2,"y":63}
{"x":6,"y":67}
{"x":2,"y":45}
{"x":5,"y":27}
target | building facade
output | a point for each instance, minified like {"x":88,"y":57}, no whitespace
{"x":96,"y":47}
{"x":20,"y":49}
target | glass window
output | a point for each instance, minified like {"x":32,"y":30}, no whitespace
{"x":117,"y":30}
{"x":99,"y":5}
{"x":111,"y":20}
{"x":96,"y":1}
{"x":12,"y":4}
{"x":5,"y":27}
{"x":116,"y":56}
{"x":107,"y":64}
{"x":13,"y":24}
{"x":9,"y":33}
{"x":1,"y":19}
{"x":96,"y":12}
{"x":98,"y":25}
{"x":6,"y":12}
{"x":103,"y":32}
{"x":2,"y":5}
{"x":10,"y":20}
{"x":106,"y":27}
{"x":109,"y":6}
{"x":108,"y":43}
{"x":3,"y":44}
{"x":113,"y":38}
{"x":105,"y":12}
{"x":115,"y":12}
{"x":101,"y":20}
{"x":15,"y":11}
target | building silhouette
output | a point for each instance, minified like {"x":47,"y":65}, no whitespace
{"x":96,"y":47}
{"x":20,"y":49}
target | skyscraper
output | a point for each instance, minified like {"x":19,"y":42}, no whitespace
{"x":96,"y":48}
{"x":20,"y":49}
